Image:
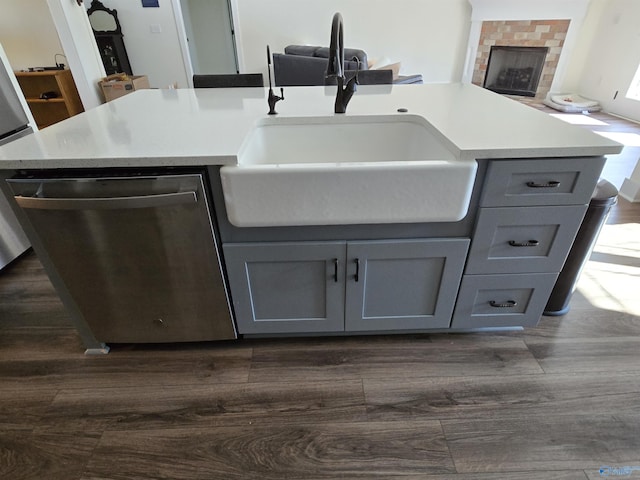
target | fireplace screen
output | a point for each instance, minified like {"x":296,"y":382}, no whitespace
{"x":515,"y":70}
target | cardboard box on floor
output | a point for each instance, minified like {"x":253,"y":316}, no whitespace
{"x":119,"y":84}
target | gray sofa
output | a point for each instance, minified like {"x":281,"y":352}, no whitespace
{"x":302,"y":65}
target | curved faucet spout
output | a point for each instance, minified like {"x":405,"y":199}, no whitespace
{"x":336,"y":68}
{"x":336,"y":47}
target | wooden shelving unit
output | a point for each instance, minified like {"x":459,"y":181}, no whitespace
{"x":46,"y":112}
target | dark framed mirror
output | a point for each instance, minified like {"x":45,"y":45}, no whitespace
{"x":109,"y":38}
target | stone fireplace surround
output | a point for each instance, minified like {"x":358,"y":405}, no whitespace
{"x":523,"y":33}
{"x":551,"y":23}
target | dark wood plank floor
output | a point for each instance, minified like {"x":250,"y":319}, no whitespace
{"x":559,"y":401}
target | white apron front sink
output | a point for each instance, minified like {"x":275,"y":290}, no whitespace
{"x":345,"y":170}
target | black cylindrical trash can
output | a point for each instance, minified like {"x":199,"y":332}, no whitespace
{"x":604,"y":197}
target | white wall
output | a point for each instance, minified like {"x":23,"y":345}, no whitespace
{"x":28,"y":34}
{"x":427,"y":36}
{"x":613,"y":56}
{"x":581,"y":49}
{"x":155,"y":54}
{"x":76,"y":37}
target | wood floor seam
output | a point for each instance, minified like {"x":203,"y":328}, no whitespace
{"x":444,"y":434}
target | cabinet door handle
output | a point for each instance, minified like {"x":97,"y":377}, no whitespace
{"x":529,"y":243}
{"x":551,"y":184}
{"x":335,"y":269}
{"x":357,"y":275}
{"x":507,"y":304}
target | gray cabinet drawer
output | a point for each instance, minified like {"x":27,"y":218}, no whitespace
{"x":502,"y":300}
{"x":287,"y":287}
{"x":553,"y":181}
{"x":519,"y":240}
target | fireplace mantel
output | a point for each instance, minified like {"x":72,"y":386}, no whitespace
{"x":516,"y":10}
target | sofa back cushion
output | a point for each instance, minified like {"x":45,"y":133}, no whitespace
{"x":302,"y":65}
{"x":351,"y":55}
{"x":303,"y":50}
{"x":298,"y":70}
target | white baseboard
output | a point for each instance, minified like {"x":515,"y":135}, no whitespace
{"x":630,"y":190}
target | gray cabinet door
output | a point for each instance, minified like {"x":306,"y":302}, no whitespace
{"x":401,"y":285}
{"x":287,"y":287}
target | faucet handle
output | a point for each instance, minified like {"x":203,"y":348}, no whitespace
{"x":273,"y":99}
{"x":357,"y":60}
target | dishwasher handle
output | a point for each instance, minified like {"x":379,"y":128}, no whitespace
{"x":107,"y":203}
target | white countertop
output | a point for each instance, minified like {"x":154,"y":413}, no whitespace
{"x":208,"y":126}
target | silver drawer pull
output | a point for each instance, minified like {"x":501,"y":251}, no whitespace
{"x":507,"y":304}
{"x":529,"y":243}
{"x":551,"y":184}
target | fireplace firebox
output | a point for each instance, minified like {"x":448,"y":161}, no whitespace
{"x":515,"y":70}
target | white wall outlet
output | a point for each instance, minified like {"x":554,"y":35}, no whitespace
{"x":155,"y":28}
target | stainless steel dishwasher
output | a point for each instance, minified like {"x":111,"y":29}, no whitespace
{"x":137,"y":254}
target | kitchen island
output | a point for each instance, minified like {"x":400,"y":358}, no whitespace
{"x":494,"y":265}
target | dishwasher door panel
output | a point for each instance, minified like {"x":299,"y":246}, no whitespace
{"x":137,"y":254}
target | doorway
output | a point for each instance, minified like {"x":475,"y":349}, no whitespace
{"x":209,"y":37}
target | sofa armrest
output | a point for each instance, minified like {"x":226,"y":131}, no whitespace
{"x":408,"y":79}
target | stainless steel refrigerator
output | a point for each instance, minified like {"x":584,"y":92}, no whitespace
{"x":14,"y":124}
